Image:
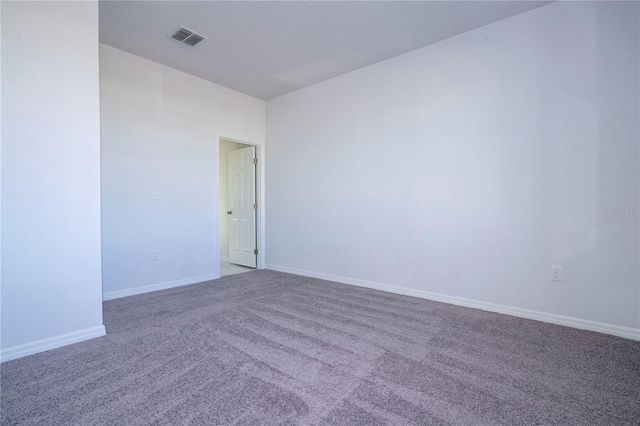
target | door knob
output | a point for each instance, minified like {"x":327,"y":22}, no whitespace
{"x":229,"y":212}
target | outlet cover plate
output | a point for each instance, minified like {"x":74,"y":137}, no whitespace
{"x":556,"y":273}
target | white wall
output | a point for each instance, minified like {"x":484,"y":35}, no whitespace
{"x":225,"y":148}
{"x":160,"y":130}
{"x":467,"y":168}
{"x":51,"y":283}
{"x":0,"y":178}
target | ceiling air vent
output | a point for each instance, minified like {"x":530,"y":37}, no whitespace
{"x":186,"y":36}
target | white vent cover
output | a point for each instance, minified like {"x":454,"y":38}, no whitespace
{"x":186,"y":36}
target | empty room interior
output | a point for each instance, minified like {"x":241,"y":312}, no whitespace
{"x":320,"y":213}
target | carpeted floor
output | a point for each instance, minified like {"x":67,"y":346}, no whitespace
{"x":266,"y":348}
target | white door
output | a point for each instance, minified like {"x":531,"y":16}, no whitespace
{"x":242,"y":207}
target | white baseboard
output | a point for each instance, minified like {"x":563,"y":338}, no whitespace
{"x":155,"y":287}
{"x":615,"y":330}
{"x":49,"y":343}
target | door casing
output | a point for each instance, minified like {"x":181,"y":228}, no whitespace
{"x":260,"y":197}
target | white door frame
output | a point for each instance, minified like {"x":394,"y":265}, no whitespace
{"x":260,"y":197}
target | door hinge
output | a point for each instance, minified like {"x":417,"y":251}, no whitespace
{"x":255,"y":161}
{"x":255,"y":251}
{"x":255,"y":206}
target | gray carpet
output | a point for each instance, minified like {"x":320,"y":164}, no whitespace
{"x":266,"y":348}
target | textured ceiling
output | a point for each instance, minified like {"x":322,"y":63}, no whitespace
{"x":268,"y":48}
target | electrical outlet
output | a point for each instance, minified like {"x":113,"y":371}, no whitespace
{"x":154,"y":254}
{"x":156,"y":197}
{"x":303,"y":246}
{"x":556,"y":273}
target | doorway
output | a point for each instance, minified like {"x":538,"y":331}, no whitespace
{"x":238,"y":207}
